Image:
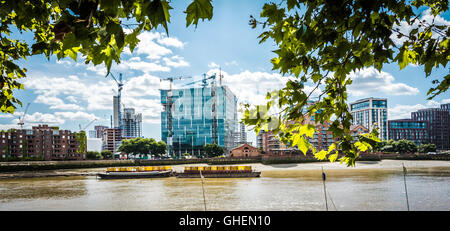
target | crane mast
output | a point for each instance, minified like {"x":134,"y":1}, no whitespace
{"x":168,"y":108}
{"x":21,"y":123}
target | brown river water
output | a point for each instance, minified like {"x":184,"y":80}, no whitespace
{"x":371,"y":186}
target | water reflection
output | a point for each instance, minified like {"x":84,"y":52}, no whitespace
{"x":42,"y":188}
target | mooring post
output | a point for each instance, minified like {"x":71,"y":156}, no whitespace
{"x":324,"y":177}
{"x":404,"y":182}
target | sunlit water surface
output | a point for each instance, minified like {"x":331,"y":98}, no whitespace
{"x":375,"y":189}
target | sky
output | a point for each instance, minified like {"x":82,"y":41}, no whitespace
{"x":71,"y":94}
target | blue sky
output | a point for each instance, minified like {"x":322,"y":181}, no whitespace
{"x":68,"y":93}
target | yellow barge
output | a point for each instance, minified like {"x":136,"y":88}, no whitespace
{"x":136,"y":172}
{"x":218,"y":172}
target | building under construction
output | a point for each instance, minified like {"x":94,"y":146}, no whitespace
{"x":197,"y":116}
{"x":132,"y":123}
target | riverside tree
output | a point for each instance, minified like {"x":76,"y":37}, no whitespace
{"x":213,"y":150}
{"x":143,"y":146}
{"x":323,"y":42}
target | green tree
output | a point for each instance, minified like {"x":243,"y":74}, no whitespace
{"x":107,"y":154}
{"x":323,"y":42}
{"x":213,"y":150}
{"x":425,"y":148}
{"x":69,"y":28}
{"x":93,"y":155}
{"x":142,"y":146}
{"x":405,"y":146}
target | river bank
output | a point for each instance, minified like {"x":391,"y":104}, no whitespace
{"x":276,"y":170}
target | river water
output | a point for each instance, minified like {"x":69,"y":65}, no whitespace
{"x":377,"y":189}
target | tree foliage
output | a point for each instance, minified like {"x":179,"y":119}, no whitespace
{"x":323,"y":42}
{"x":213,"y":150}
{"x":404,"y":146}
{"x":94,"y":29}
{"x":143,"y":146}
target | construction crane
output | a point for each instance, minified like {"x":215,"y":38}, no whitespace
{"x":82,"y":129}
{"x":23,"y":116}
{"x":168,"y":108}
{"x":119,"y":95}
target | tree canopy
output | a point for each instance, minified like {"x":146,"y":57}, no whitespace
{"x":213,"y":150}
{"x":143,"y":146}
{"x":98,"y":30}
{"x":322,"y":42}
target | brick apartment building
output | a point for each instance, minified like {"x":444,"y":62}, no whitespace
{"x":50,"y":143}
{"x":321,"y":140}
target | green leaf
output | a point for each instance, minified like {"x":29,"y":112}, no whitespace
{"x":307,"y":130}
{"x":321,"y":155}
{"x":198,"y":9}
{"x":332,"y":157}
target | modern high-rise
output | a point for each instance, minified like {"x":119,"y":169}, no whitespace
{"x":116,"y":112}
{"x":131,"y":123}
{"x":438,"y":120}
{"x":369,"y":112}
{"x":243,"y":133}
{"x":197,"y":116}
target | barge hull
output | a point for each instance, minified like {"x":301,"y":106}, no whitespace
{"x":133,"y":175}
{"x":219,"y":175}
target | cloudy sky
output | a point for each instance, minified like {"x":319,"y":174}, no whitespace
{"x":68,"y":93}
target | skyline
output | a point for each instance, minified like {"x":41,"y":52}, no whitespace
{"x":72,"y":93}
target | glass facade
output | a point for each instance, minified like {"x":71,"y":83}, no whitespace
{"x":193,"y":119}
{"x":370,"y":111}
{"x":413,"y":130}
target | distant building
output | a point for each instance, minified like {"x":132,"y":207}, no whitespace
{"x":244,"y":150}
{"x":409,"y":129}
{"x":370,"y":111}
{"x":92,"y":134}
{"x":243,"y":133}
{"x":357,"y":129}
{"x":438,"y":121}
{"x":132,"y":123}
{"x":116,"y":112}
{"x":111,"y":139}
{"x":446,"y":107}
{"x":240,"y":136}
{"x":322,"y":138}
{"x":50,"y":143}
{"x":259,"y":139}
{"x":99,"y":130}
{"x":195,"y":122}
{"x":94,"y":144}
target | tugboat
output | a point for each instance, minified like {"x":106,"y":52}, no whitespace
{"x":136,"y":172}
{"x":218,"y":172}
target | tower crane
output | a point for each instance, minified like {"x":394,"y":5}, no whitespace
{"x":23,"y":116}
{"x":168,"y":107}
{"x":82,"y":129}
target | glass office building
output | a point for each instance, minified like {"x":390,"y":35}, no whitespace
{"x":370,"y":111}
{"x":408,"y":129}
{"x":438,"y":120}
{"x":193,"y":121}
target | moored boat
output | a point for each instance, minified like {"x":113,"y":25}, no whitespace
{"x":136,"y":172}
{"x":218,"y":172}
